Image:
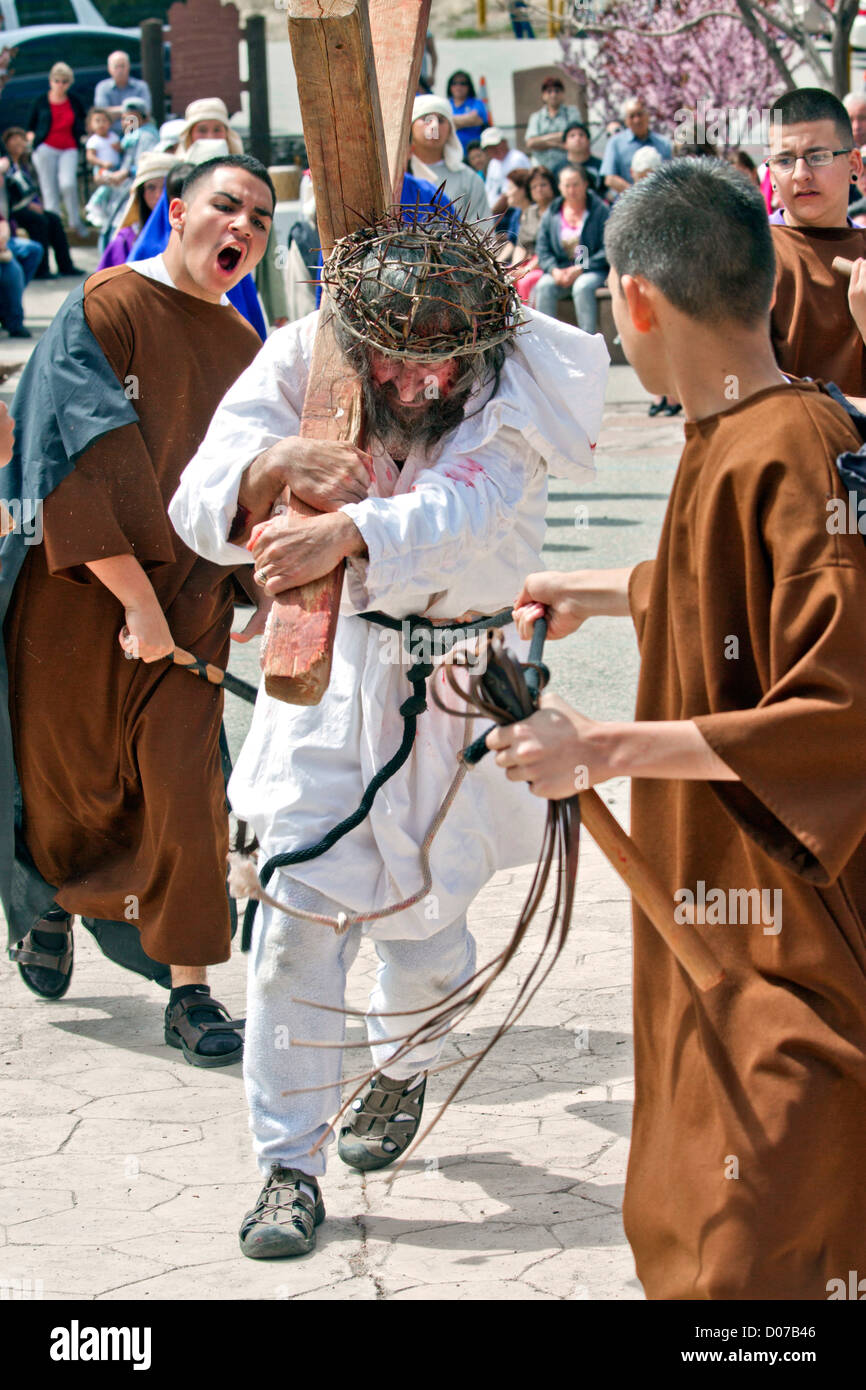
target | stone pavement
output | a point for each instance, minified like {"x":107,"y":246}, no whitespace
{"x":126,"y":1171}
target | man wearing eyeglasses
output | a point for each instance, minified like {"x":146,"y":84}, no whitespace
{"x":813,"y":162}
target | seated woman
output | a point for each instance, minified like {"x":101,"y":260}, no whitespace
{"x":515,"y":191}
{"x":470,"y":114}
{"x":570,"y":249}
{"x":27,"y":211}
{"x":539,"y":189}
{"x":144,"y":195}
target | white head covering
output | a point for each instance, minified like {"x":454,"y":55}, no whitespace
{"x":453,"y":151}
{"x":200,"y":150}
{"x":209,"y":109}
{"x":155,"y":164}
{"x":170,"y":132}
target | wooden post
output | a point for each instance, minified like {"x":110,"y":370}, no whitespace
{"x":345,"y":52}
{"x":257,"y":88}
{"x":153,"y":66}
{"x":482,"y":14}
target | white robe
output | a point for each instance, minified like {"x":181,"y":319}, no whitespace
{"x":455,"y":531}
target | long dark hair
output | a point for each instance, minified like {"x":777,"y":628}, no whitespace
{"x":461,"y":73}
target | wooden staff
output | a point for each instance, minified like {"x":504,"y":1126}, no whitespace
{"x":623,"y":855}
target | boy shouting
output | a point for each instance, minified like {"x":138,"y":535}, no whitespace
{"x":747,"y":754}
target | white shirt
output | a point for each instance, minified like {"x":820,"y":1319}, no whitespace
{"x":455,"y":531}
{"x":155,"y":268}
{"x":498,"y":171}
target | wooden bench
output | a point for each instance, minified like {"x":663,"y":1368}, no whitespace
{"x":606,"y":325}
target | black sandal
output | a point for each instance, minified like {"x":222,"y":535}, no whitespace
{"x":46,"y":970}
{"x":181,"y":1030}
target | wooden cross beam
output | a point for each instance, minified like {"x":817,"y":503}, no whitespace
{"x":357,"y":64}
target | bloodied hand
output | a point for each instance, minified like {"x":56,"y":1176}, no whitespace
{"x":290,"y":550}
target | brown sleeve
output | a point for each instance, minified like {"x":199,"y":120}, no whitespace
{"x":639,"y":585}
{"x":111,"y":502}
{"x":801,"y":752}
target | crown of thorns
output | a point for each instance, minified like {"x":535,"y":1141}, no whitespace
{"x":447,"y":263}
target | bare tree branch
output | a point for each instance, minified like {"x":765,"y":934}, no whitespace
{"x":747,"y":15}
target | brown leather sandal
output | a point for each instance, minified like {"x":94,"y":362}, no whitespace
{"x":46,"y":971}
{"x":181,"y":1030}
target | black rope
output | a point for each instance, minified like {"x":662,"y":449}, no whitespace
{"x":417,"y":675}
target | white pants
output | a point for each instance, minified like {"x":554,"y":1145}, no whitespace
{"x":293,"y":959}
{"x":57,"y":171}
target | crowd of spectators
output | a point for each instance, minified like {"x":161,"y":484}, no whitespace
{"x":550,"y":200}
{"x":114,"y":152}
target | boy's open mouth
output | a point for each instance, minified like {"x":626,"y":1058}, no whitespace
{"x":228,"y":258}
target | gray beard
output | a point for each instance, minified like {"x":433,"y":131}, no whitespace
{"x":399,"y":434}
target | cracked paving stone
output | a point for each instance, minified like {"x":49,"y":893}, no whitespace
{"x":350,"y":1290}
{"x":116,"y":1182}
{"x":181,"y":1248}
{"x":475,"y":1292}
{"x":210,"y":1206}
{"x":67,"y":1267}
{"x":594,"y":1274}
{"x":539,"y":1209}
{"x":603,"y":1229}
{"x":178,"y":1104}
{"x":47,"y":1098}
{"x":34,"y":1136}
{"x":87,"y":1226}
{"x":108,"y":1138}
{"x":479,"y":1178}
{"x":238,"y":1278}
{"x":483,"y":1250}
{"x":26,"y":1205}
{"x":118,"y":1081}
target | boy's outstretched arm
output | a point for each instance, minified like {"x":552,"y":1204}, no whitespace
{"x":146,"y":636}
{"x":559,"y":751}
{"x":567,"y":599}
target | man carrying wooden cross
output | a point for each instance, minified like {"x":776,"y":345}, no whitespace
{"x":463,"y":418}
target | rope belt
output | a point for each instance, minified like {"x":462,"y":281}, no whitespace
{"x":417,"y":674}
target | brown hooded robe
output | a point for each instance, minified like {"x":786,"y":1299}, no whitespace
{"x":746,"y":1172}
{"x":124,"y":799}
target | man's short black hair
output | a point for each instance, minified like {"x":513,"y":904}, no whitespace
{"x":228,"y":161}
{"x":553,"y":82}
{"x":698,"y":231}
{"x":812,"y":104}
{"x":576,"y":125}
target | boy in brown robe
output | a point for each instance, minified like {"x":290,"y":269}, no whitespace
{"x":813,"y":162}
{"x":747,"y":754}
{"x":124,"y":810}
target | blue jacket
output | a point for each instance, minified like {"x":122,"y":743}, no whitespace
{"x":549,"y":248}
